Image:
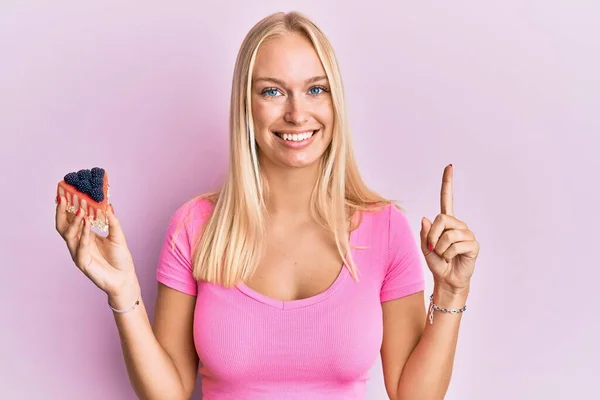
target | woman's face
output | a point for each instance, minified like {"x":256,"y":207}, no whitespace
{"x":291,"y":102}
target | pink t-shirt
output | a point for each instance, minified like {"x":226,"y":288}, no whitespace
{"x":255,"y":347}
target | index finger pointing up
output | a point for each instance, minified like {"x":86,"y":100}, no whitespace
{"x":446,"y":195}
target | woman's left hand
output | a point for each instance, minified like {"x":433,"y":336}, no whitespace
{"x":449,"y":247}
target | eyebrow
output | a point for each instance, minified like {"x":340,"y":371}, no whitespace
{"x":282,"y":83}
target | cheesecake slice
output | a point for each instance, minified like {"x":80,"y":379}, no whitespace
{"x":92,"y":186}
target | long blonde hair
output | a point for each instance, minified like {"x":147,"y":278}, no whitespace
{"x":231,"y":242}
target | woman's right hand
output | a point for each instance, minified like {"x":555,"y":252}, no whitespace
{"x":106,"y":261}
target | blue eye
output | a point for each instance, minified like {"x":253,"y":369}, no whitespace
{"x":271,"y":92}
{"x":313,"y":91}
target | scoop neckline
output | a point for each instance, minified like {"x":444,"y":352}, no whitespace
{"x":307,"y":301}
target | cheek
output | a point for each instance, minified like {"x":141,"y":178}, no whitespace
{"x":324,"y":113}
{"x":265,"y":114}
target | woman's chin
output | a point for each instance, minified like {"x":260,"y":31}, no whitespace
{"x":296,"y":164}
{"x":298,"y":161}
{"x":292,"y":159}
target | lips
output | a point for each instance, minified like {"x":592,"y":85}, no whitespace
{"x":297,"y":140}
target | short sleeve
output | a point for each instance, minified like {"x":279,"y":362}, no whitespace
{"x":404,"y":271}
{"x":175,"y":265}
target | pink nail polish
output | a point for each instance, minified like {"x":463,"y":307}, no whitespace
{"x":430,"y":247}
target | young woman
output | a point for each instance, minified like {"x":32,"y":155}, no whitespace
{"x":287,"y":282}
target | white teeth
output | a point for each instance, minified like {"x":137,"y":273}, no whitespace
{"x":296,"y":137}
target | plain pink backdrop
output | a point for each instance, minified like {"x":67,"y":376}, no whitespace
{"x":506,"y":91}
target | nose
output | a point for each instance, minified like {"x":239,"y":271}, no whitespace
{"x":296,"y":112}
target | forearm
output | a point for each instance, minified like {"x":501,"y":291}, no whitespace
{"x":427,"y":372}
{"x":151,"y":371}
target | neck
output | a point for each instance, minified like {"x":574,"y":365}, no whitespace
{"x":290,"y":189}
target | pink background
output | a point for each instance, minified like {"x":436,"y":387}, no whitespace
{"x":507,"y":91}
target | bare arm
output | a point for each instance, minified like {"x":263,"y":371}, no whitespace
{"x":161,"y":361}
{"x":450,"y":250}
{"x":403,"y":323}
{"x":420,"y":360}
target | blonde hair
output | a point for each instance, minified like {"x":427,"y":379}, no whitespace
{"x":231,"y":242}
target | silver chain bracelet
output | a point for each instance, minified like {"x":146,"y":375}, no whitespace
{"x":434,"y":307}
{"x":137,"y":303}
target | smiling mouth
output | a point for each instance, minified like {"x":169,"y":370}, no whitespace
{"x":296,"y":137}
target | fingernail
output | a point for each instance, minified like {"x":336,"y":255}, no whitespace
{"x":113,"y":209}
{"x":430,"y":247}
{"x":57,"y":199}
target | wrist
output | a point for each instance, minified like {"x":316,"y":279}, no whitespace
{"x":126,"y":297}
{"x":447,"y":297}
